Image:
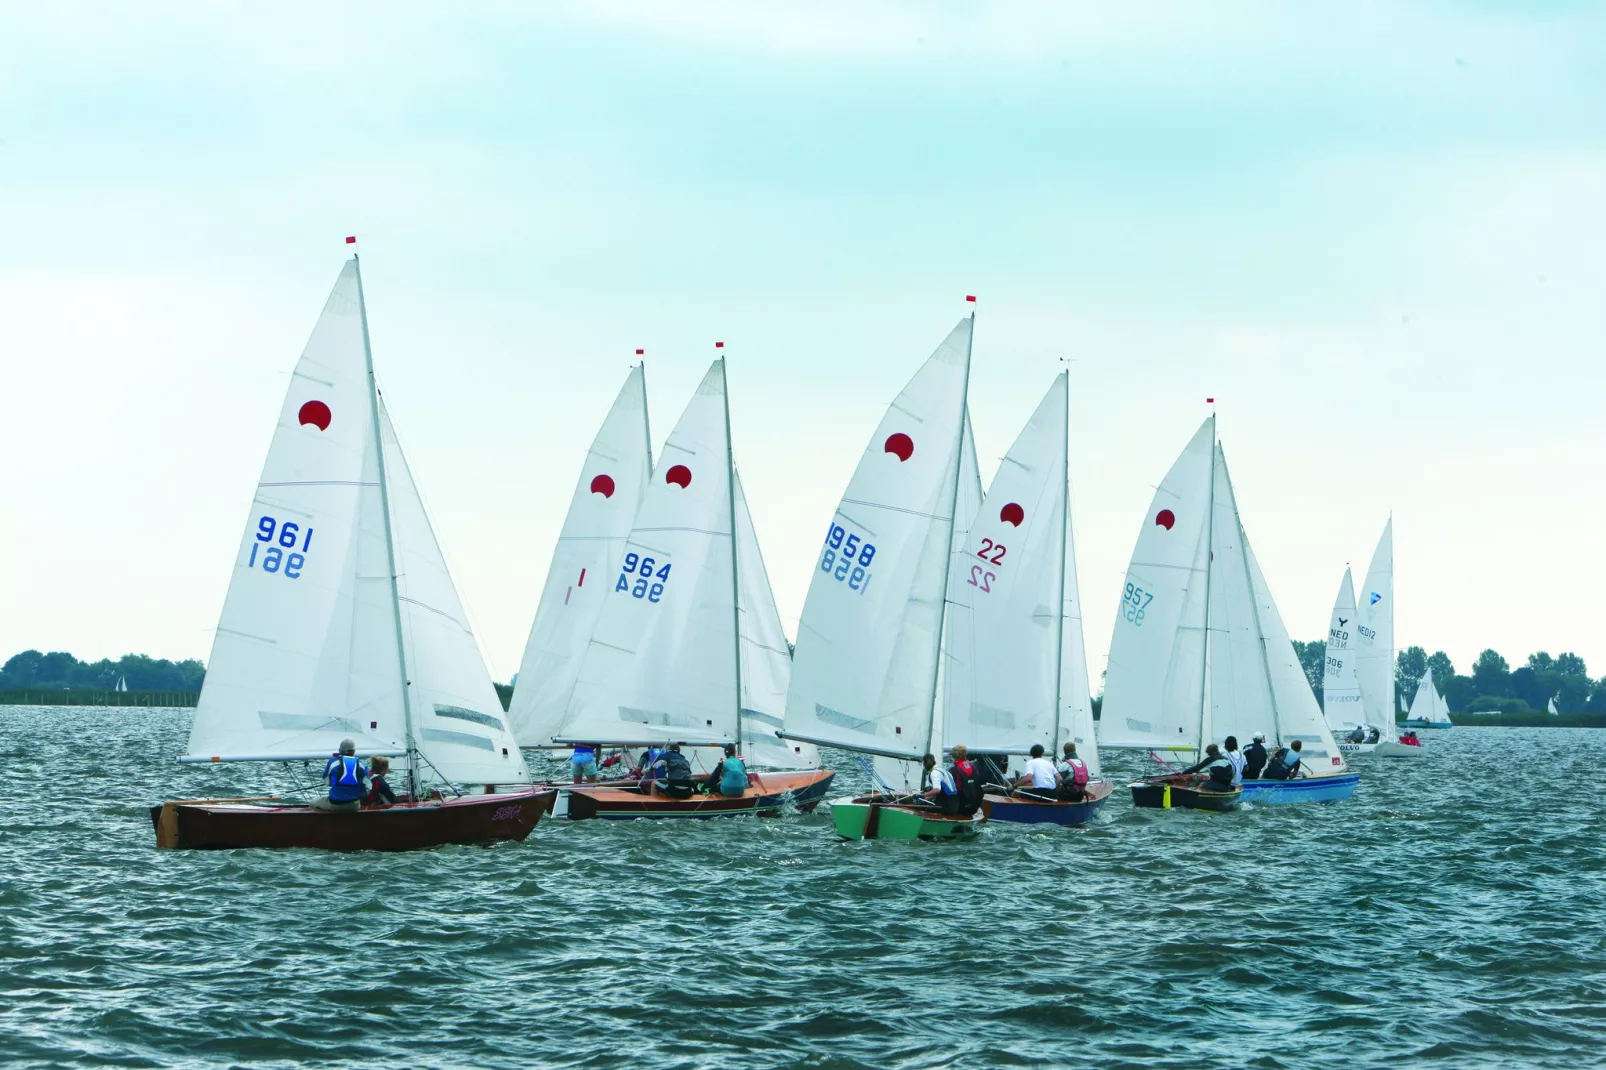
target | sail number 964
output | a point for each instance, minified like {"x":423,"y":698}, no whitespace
{"x":846,"y":558}
{"x":640,"y":580}
{"x":273,"y":539}
{"x":1134,"y":603}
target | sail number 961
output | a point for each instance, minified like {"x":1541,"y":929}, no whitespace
{"x":846,"y":558}
{"x":273,"y":539}
{"x":1134,"y":603}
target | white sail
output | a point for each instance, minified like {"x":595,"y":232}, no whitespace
{"x":1341,"y":689}
{"x":1076,"y":724}
{"x":1154,"y":686}
{"x":1550,"y":706}
{"x":766,"y":657}
{"x":1428,"y":705}
{"x":1004,"y":597}
{"x":122,"y":683}
{"x":459,"y":725}
{"x":1374,"y":636}
{"x":581,"y":576}
{"x":661,"y":665}
{"x":294,"y":667}
{"x":864,"y":671}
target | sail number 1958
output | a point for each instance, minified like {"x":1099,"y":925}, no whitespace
{"x":1134,"y":603}
{"x":269,"y":551}
{"x":846,"y":558}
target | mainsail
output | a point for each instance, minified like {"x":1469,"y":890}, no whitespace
{"x":662,"y":663}
{"x":1374,"y":636}
{"x":1429,"y":706}
{"x":340,"y":619}
{"x":1341,"y":689}
{"x":579,"y":580}
{"x":864,"y":674}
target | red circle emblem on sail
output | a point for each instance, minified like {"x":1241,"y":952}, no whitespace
{"x":900,"y":444}
{"x":1165,"y":518}
{"x":680,"y":475}
{"x":603,"y":485}
{"x":1012,"y":514}
{"x":315,"y":412}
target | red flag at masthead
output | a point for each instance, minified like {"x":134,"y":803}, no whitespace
{"x":351,"y":239}
{"x":719,"y":345}
{"x":971,"y":298}
{"x":639,"y":352}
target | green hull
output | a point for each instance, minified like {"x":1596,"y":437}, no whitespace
{"x":856,"y":819}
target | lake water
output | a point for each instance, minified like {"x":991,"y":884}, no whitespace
{"x":1452,"y":914}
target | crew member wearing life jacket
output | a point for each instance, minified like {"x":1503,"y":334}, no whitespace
{"x":348,"y":780}
{"x":1039,"y":779}
{"x":1216,"y":768}
{"x":1374,"y":735}
{"x":1074,"y":775}
{"x":965,"y":780}
{"x":1236,"y":757}
{"x":1255,"y":757}
{"x":937,"y":784}
{"x":1284,"y":764}
{"x":671,"y":774}
{"x":730,"y":775}
{"x":1358,"y":735}
{"x":649,"y":758}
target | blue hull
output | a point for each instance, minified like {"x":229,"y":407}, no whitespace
{"x":1305,"y":790}
{"x":1045,"y":813}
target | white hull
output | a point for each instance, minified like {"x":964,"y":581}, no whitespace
{"x":1398,"y":750}
{"x":1358,"y":748}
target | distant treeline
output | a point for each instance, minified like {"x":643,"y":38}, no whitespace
{"x":59,"y":671}
{"x":1493,"y":687}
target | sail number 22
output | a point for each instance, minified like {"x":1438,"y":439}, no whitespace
{"x":846,"y":558}
{"x":276,"y":551}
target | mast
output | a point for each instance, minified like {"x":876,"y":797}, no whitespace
{"x":390,"y":539}
{"x":935,"y":747}
{"x":1210,"y":555}
{"x":1065,"y":523}
{"x":1254,"y":609}
{"x":736,"y":590}
{"x":646,"y":420}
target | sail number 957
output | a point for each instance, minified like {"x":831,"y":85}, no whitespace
{"x":280,"y":549}
{"x":1134,"y":603}
{"x":846,"y":558}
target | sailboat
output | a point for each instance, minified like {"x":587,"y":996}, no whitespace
{"x":122,"y":683}
{"x":1550,"y":707}
{"x":1014,"y":624}
{"x":606,"y":496}
{"x":1374,"y":646}
{"x":664,"y":663}
{"x":1341,"y":688}
{"x":1200,"y":651}
{"x":341,"y":621}
{"x":868,"y":659}
{"x":1428,"y":708}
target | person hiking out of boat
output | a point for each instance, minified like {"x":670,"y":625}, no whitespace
{"x":583,"y":763}
{"x":1236,"y":757}
{"x":347,"y":780}
{"x":1043,"y":777}
{"x":1294,"y":759}
{"x":1216,"y":768}
{"x":671,"y":774}
{"x":730,"y":775}
{"x":1255,"y":757}
{"x":1284,"y":763}
{"x":379,"y":789}
{"x":1074,"y":775}
{"x":937,"y":785}
{"x":965,"y":779}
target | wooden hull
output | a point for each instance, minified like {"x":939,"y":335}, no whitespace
{"x":1183,"y":793}
{"x":405,"y":827}
{"x":766,"y":794}
{"x":1302,"y":790}
{"x":868,"y":817}
{"x":1026,"y":810}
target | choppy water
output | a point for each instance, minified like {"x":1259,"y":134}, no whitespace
{"x":1452,"y":914}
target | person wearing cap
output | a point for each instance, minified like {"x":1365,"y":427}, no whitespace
{"x":1254,"y":758}
{"x":1217,"y":768}
{"x":347,"y":778}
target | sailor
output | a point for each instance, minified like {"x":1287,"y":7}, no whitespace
{"x":1373,"y":735}
{"x":1358,"y":735}
{"x":1216,"y":767}
{"x":1236,"y":757}
{"x":347,"y":780}
{"x":1045,"y":779}
{"x":379,"y":790}
{"x":1255,"y":757}
{"x":1074,"y":775}
{"x":649,"y":758}
{"x":965,"y":780}
{"x":583,"y":763}
{"x":937,"y":784}
{"x":671,"y":773}
{"x":730,"y":775}
{"x":1293,"y":759}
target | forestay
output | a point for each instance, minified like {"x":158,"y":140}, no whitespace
{"x":864,"y":671}
{"x":661,"y":665}
{"x":1374,"y":636}
{"x":1341,"y":689}
{"x":1154,"y":686}
{"x":579,"y":579}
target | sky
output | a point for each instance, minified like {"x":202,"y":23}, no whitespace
{"x":1371,"y":231}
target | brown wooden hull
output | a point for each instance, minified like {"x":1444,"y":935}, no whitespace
{"x":405,"y":827}
{"x":766,"y":793}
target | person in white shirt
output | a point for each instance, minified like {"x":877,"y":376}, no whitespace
{"x":1040,"y":772}
{"x":1236,"y":757}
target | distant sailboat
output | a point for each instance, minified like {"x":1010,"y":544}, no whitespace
{"x":122,"y":683}
{"x":865,"y":674}
{"x":1341,"y":689}
{"x":341,"y":621}
{"x":1374,"y":638}
{"x":1550,"y":707}
{"x":1200,"y":651}
{"x":665,"y":659}
{"x":1428,"y":709}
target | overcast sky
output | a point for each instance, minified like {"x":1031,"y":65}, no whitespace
{"x":1373,"y":232}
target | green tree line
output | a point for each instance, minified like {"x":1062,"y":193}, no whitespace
{"x":59,"y":670}
{"x":1491,"y":686}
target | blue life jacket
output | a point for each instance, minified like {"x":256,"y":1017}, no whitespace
{"x":345,"y":775}
{"x":734,"y":779}
{"x":650,"y":759}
